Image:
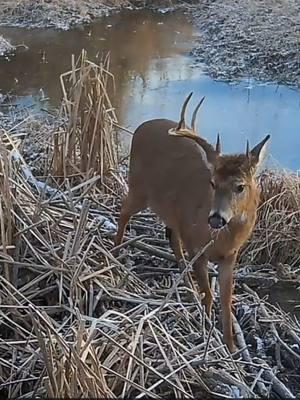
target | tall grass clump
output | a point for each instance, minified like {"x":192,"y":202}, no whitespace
{"x":276,"y":237}
{"x":6,"y":204}
{"x":86,"y":146}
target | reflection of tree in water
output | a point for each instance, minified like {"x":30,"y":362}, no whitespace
{"x":134,"y":40}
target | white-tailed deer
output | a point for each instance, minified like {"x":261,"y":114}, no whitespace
{"x":196,"y":191}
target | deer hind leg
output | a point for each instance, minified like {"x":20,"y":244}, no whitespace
{"x":131,"y":205}
{"x":226,"y":289}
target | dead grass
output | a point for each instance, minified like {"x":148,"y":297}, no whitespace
{"x":86,"y":147}
{"x":77,"y":321}
{"x":63,"y":14}
{"x":276,"y":237}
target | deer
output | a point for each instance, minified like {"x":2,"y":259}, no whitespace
{"x":202,"y":196}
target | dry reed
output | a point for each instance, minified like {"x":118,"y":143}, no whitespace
{"x":276,"y":237}
{"x":6,"y":205}
{"x":86,"y":146}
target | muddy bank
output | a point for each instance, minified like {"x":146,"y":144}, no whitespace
{"x":249,"y":38}
{"x":63,"y":14}
{"x":59,"y":14}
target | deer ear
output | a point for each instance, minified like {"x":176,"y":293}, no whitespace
{"x":258,"y":152}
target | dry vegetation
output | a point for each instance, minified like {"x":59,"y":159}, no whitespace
{"x":86,"y":146}
{"x":76,"y":321}
{"x":58,"y":13}
{"x":63,"y":14}
{"x":276,"y":237}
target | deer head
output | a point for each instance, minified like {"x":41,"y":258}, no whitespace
{"x":235,"y":189}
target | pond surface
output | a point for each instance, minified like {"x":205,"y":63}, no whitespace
{"x":153,"y":73}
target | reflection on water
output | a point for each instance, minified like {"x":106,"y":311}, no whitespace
{"x":133,"y":40}
{"x":153,"y":74}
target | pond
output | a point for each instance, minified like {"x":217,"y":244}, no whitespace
{"x":153,"y":74}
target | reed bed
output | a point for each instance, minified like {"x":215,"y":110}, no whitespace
{"x":64,"y":14}
{"x":75,"y":321}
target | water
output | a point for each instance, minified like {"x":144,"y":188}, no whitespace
{"x":153,"y":73}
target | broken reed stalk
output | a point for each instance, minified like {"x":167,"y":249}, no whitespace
{"x":6,"y":205}
{"x":87,"y":145}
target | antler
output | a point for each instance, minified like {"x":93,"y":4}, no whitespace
{"x":247,"y":149}
{"x":186,"y":133}
{"x":181,"y":124}
{"x":218,"y":145}
{"x":195,"y":114}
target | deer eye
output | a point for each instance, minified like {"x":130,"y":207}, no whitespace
{"x":212,"y":183}
{"x":240,"y":188}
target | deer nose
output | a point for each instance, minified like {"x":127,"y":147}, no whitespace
{"x":216,"y":221}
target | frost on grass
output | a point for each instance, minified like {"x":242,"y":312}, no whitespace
{"x":61,"y":14}
{"x":243,"y":38}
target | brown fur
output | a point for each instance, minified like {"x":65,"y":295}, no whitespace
{"x":170,"y":175}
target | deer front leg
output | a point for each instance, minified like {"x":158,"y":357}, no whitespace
{"x":226,"y":288}
{"x":201,"y":275}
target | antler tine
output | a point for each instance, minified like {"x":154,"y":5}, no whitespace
{"x":195,"y":114}
{"x":181,"y":124}
{"x":218,"y":144}
{"x":247,"y":149}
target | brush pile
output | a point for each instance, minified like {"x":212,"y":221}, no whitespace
{"x":75,"y":321}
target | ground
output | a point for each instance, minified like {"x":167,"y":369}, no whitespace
{"x":250,"y":38}
{"x":63,"y":14}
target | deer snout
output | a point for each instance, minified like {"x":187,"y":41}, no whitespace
{"x":216,"y":221}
